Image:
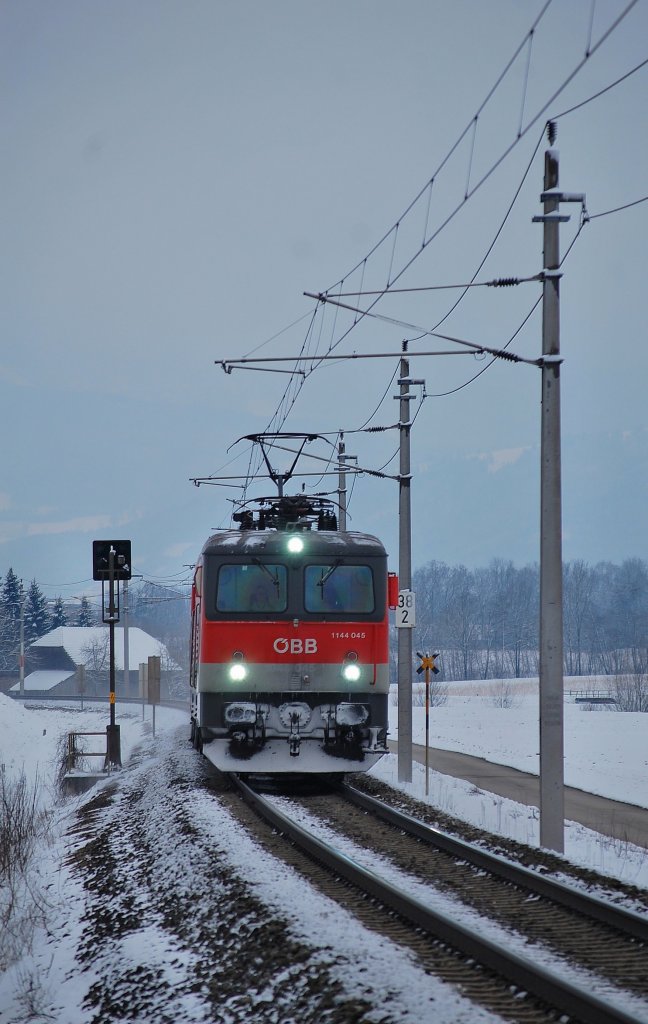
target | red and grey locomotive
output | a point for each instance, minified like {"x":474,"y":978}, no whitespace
{"x":289,"y":652}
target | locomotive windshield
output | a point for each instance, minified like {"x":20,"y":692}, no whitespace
{"x":339,"y":588}
{"x":255,"y":587}
{"x":315,"y":585}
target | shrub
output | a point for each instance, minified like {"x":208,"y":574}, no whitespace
{"x":631,"y":692}
{"x":22,"y":826}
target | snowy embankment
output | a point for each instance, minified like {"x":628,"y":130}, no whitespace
{"x":162,"y":907}
{"x":66,"y":971}
{"x":606,"y":752}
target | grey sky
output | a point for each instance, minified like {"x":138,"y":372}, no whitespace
{"x":176,"y":175}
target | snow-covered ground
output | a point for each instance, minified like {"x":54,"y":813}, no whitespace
{"x":606,"y":753}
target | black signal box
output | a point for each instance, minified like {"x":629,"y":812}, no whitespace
{"x":101,"y":559}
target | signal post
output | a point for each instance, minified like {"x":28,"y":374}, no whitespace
{"x":427,"y":665}
{"x":111,"y":562}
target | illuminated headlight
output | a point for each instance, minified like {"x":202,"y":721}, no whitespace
{"x":237,"y":670}
{"x":351,"y":672}
{"x":350,"y":667}
{"x":295,"y":544}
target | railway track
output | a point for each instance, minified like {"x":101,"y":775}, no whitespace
{"x":546,"y":951}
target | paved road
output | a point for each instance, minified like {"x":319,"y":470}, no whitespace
{"x":609,"y":817}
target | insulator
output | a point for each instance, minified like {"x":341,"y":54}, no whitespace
{"x":504,"y":282}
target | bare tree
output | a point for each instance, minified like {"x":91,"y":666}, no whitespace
{"x":96,"y":657}
{"x":461,"y":622}
{"x":578,"y":585}
{"x":631,"y":691}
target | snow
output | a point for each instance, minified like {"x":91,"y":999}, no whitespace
{"x":466,"y":917}
{"x":605,"y":752}
{"x":43,"y":679}
{"x":79,"y":641}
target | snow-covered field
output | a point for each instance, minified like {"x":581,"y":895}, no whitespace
{"x":606,"y":752}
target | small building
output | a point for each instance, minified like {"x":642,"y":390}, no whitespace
{"x":71,"y":661}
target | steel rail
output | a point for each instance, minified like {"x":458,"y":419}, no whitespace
{"x":626,"y":921}
{"x":519,"y":971}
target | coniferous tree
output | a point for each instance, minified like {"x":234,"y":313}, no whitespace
{"x":37,"y":618}
{"x":10,"y":602}
{"x":11,"y":595}
{"x":85,"y":616}
{"x":58,"y":616}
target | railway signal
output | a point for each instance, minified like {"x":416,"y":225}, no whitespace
{"x":111,"y":562}
{"x":101,"y":559}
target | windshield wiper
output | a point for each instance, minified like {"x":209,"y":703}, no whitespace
{"x":274,"y":578}
{"x":336,"y":564}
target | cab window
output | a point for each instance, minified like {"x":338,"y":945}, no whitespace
{"x":251,"y":588}
{"x":339,"y":589}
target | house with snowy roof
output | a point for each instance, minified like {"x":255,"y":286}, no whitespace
{"x":73,"y":660}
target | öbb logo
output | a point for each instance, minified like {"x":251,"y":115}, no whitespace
{"x":295,"y":646}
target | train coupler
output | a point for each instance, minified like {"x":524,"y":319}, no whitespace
{"x":294,"y":740}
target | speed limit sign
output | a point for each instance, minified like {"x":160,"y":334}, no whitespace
{"x":406,"y":609}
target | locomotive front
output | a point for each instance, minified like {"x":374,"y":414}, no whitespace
{"x":289,"y":666}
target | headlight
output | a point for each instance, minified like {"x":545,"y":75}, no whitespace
{"x":351,"y":673}
{"x":350,"y":668}
{"x":237,"y":670}
{"x":295,"y":544}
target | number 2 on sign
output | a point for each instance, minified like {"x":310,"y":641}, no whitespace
{"x":406,"y":611}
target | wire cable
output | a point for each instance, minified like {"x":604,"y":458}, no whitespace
{"x":601,"y":92}
{"x":617,"y":209}
{"x":297,"y":381}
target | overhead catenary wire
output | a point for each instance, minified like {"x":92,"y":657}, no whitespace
{"x":278,"y":333}
{"x":521,"y":132}
{"x":601,"y":92}
{"x":501,"y":353}
{"x":314,"y":339}
{"x":476,"y":347}
{"x":499,"y":282}
{"x":364,"y":427}
{"x":502,"y":156}
{"x":617,"y":209}
{"x":487,"y":366}
{"x":286,"y":403}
